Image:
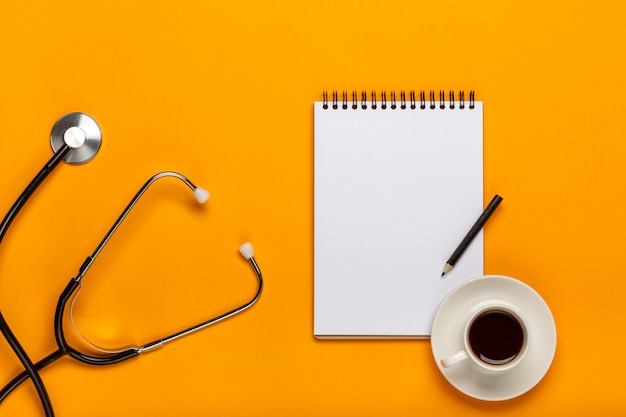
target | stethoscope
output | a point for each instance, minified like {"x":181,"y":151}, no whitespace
{"x":76,"y":138}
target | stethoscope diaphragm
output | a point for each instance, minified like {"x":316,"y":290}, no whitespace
{"x":81,"y":133}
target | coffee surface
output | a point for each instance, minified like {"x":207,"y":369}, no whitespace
{"x":496,"y":337}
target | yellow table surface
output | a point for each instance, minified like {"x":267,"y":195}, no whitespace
{"x":223,"y":92}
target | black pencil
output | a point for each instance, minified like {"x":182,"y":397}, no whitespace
{"x":480,"y":222}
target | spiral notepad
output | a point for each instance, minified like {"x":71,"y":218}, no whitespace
{"x":398,"y":182}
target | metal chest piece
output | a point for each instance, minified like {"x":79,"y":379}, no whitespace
{"x":81,"y":133}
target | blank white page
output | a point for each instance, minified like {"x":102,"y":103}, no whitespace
{"x":395,"y":192}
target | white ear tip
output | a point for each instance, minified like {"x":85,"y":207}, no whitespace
{"x":201,"y":194}
{"x":246,"y":250}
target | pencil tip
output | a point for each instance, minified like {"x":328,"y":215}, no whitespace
{"x":443,"y":273}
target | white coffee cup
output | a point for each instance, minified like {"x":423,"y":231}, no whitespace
{"x":495,"y":337}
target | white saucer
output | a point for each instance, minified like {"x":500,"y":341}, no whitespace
{"x":447,"y":338}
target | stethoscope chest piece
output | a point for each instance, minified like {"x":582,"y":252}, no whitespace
{"x":81,"y":133}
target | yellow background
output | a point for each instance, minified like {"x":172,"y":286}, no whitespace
{"x":223,"y":92}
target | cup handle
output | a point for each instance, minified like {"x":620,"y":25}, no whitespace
{"x":454,"y":359}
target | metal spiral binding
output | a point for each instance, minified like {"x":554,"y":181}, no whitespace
{"x":373,"y":103}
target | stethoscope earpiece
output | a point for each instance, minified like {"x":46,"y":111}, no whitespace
{"x":81,"y":133}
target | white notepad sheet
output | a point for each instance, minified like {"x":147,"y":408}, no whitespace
{"x":395,"y":192}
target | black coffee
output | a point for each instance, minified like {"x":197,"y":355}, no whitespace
{"x":496,"y":337}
